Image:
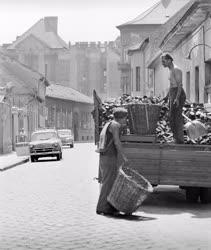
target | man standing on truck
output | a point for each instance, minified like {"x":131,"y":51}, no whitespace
{"x":176,"y":97}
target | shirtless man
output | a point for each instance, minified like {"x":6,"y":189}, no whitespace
{"x":176,"y":97}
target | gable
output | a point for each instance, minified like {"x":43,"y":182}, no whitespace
{"x":32,"y":43}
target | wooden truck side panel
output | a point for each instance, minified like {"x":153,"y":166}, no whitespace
{"x":145,"y":159}
{"x":186,"y":166}
{"x":183,"y":165}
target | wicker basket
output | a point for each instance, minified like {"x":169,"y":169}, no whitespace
{"x":143,"y":118}
{"x":129,"y":190}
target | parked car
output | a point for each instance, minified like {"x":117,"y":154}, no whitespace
{"x":45,"y":143}
{"x":66,"y":137}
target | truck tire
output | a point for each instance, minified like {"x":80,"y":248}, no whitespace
{"x":32,"y":159}
{"x":192,"y":194}
{"x":204,"y":195}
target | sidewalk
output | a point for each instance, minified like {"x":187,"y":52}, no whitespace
{"x":11,"y":160}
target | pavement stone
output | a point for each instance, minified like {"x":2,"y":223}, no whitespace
{"x":51,"y":205}
{"x":11,"y":160}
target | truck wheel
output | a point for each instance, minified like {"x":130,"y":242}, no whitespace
{"x":204,"y":195}
{"x":32,"y":159}
{"x":192,"y":194}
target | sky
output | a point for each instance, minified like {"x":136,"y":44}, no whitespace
{"x":78,"y":20}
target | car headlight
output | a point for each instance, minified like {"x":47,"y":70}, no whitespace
{"x":56,"y":145}
{"x":31,"y":146}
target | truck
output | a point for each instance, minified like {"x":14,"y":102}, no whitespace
{"x":185,"y":165}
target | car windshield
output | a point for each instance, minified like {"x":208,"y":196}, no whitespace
{"x":43,"y":136}
{"x":64,"y":132}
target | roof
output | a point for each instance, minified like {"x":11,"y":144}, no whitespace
{"x":12,"y":71}
{"x":38,"y":30}
{"x":157,"y":14}
{"x":190,"y":21}
{"x":67,"y":93}
{"x":138,"y":46}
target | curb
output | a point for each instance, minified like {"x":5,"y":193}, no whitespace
{"x":15,"y":164}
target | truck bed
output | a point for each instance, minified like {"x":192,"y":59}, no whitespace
{"x":165,"y":164}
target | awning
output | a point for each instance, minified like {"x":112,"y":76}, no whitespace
{"x":191,"y":20}
{"x":138,"y":46}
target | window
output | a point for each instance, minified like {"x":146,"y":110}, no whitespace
{"x":197,"y":84}
{"x":188,"y":85}
{"x":137,"y":78}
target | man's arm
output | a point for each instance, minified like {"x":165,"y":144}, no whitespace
{"x":114,"y":128}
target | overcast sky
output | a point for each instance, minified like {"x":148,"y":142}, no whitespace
{"x":78,"y":20}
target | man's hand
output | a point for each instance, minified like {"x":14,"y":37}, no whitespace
{"x":176,"y":102}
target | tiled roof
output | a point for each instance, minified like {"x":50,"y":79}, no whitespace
{"x":157,"y":14}
{"x":50,"y":38}
{"x":21,"y":76}
{"x":67,"y":93}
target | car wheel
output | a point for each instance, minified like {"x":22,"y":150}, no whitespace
{"x":32,"y":159}
{"x":59,"y":156}
{"x":71,"y":145}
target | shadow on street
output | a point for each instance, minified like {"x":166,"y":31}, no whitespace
{"x":171,"y":200}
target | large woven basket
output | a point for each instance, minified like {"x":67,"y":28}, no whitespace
{"x":129,"y":190}
{"x":143,"y":118}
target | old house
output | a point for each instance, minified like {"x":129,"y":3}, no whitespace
{"x":133,"y":34}
{"x":42,"y":49}
{"x":69,"y":109}
{"x":23,"y":90}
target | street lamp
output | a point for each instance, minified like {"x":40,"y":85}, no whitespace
{"x":203,"y":44}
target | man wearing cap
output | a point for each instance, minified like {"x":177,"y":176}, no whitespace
{"x":176,"y":96}
{"x":110,"y":147}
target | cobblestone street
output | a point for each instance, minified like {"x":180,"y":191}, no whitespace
{"x":51,"y":205}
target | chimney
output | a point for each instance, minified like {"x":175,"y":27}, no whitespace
{"x":51,"y":23}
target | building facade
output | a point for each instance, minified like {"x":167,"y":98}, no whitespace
{"x":94,"y":66}
{"x":23,"y":93}
{"x":190,"y":45}
{"x":69,"y":109}
{"x":146,"y":26}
